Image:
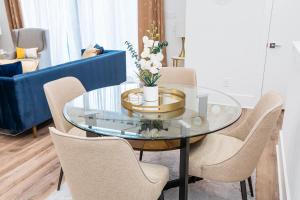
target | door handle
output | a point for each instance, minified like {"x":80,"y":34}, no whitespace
{"x":273,"y":45}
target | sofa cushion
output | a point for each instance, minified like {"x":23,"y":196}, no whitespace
{"x":10,"y":70}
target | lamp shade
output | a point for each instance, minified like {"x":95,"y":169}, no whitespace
{"x":180,"y":18}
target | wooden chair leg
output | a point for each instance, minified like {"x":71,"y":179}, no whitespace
{"x":141,"y":155}
{"x":243,"y":190}
{"x":61,"y":174}
{"x":250,"y":186}
{"x":34,"y":131}
{"x":161,"y":197}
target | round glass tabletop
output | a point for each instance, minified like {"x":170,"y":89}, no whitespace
{"x":100,"y":111}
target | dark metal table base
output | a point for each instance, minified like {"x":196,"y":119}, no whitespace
{"x":184,"y":168}
{"x":175,"y":183}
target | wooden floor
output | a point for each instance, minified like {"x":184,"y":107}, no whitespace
{"x":29,"y":167}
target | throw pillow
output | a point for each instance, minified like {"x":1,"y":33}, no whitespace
{"x":10,"y":70}
{"x":26,"y":53}
{"x":97,"y":46}
{"x":20,"y":53}
{"x":90,"y":52}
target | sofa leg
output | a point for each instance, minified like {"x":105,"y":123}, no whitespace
{"x":250,"y":186}
{"x":34,"y":131}
{"x":243,"y":190}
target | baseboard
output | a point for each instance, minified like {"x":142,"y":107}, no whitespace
{"x":284,"y":193}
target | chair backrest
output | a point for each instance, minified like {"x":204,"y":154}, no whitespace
{"x":30,"y":38}
{"x":255,"y":133}
{"x":178,"y":75}
{"x":58,"y":93}
{"x":101,"y":168}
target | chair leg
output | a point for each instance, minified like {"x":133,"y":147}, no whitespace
{"x":161,"y":197}
{"x":61,"y":174}
{"x":250,"y":186}
{"x":243,"y":190}
{"x":141,"y":155}
{"x":34,"y":131}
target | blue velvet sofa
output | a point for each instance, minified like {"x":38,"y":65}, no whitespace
{"x":23,"y":104}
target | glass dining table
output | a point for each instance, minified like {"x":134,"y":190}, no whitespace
{"x":100,"y":113}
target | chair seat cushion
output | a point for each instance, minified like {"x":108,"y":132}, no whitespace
{"x":213,"y":149}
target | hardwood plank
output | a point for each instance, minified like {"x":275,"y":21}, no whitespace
{"x":21,"y":172}
{"x":5,"y":144}
{"x":11,"y":161}
{"x":36,"y":185}
{"x":18,"y":145}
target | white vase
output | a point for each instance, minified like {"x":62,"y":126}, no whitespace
{"x":150,"y":93}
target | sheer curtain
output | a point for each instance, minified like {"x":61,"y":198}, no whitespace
{"x":109,"y":23}
{"x":59,"y":17}
{"x":75,"y":24}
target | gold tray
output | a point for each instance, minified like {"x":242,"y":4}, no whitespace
{"x":169,"y":100}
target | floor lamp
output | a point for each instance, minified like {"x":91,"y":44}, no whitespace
{"x":182,"y":51}
{"x":180,"y":26}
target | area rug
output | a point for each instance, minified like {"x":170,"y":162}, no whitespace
{"x":202,"y":190}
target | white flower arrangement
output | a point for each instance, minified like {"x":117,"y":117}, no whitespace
{"x":149,"y":62}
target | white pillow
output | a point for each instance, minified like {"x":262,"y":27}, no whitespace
{"x":31,"y":53}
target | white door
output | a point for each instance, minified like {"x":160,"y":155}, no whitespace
{"x":284,"y":29}
{"x":226,"y":45}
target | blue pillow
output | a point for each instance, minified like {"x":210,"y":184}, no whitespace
{"x":97,"y":46}
{"x":10,"y":70}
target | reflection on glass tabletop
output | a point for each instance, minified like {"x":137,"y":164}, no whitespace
{"x":100,"y":111}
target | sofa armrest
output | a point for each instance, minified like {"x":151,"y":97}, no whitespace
{"x":9,"y":107}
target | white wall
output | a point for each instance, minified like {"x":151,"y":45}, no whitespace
{"x":290,"y":136}
{"x":172,"y":9}
{"x":5,"y":39}
{"x":226,"y":44}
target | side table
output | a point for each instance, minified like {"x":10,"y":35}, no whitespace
{"x":176,"y":60}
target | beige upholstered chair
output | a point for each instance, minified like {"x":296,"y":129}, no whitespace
{"x":170,"y":75}
{"x":106,"y":168}
{"x":178,"y":75}
{"x":31,"y":38}
{"x":58,"y":93}
{"x":234,"y":156}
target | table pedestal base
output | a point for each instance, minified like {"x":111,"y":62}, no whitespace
{"x":175,"y":183}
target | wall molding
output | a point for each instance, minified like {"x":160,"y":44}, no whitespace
{"x":284,"y":192}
